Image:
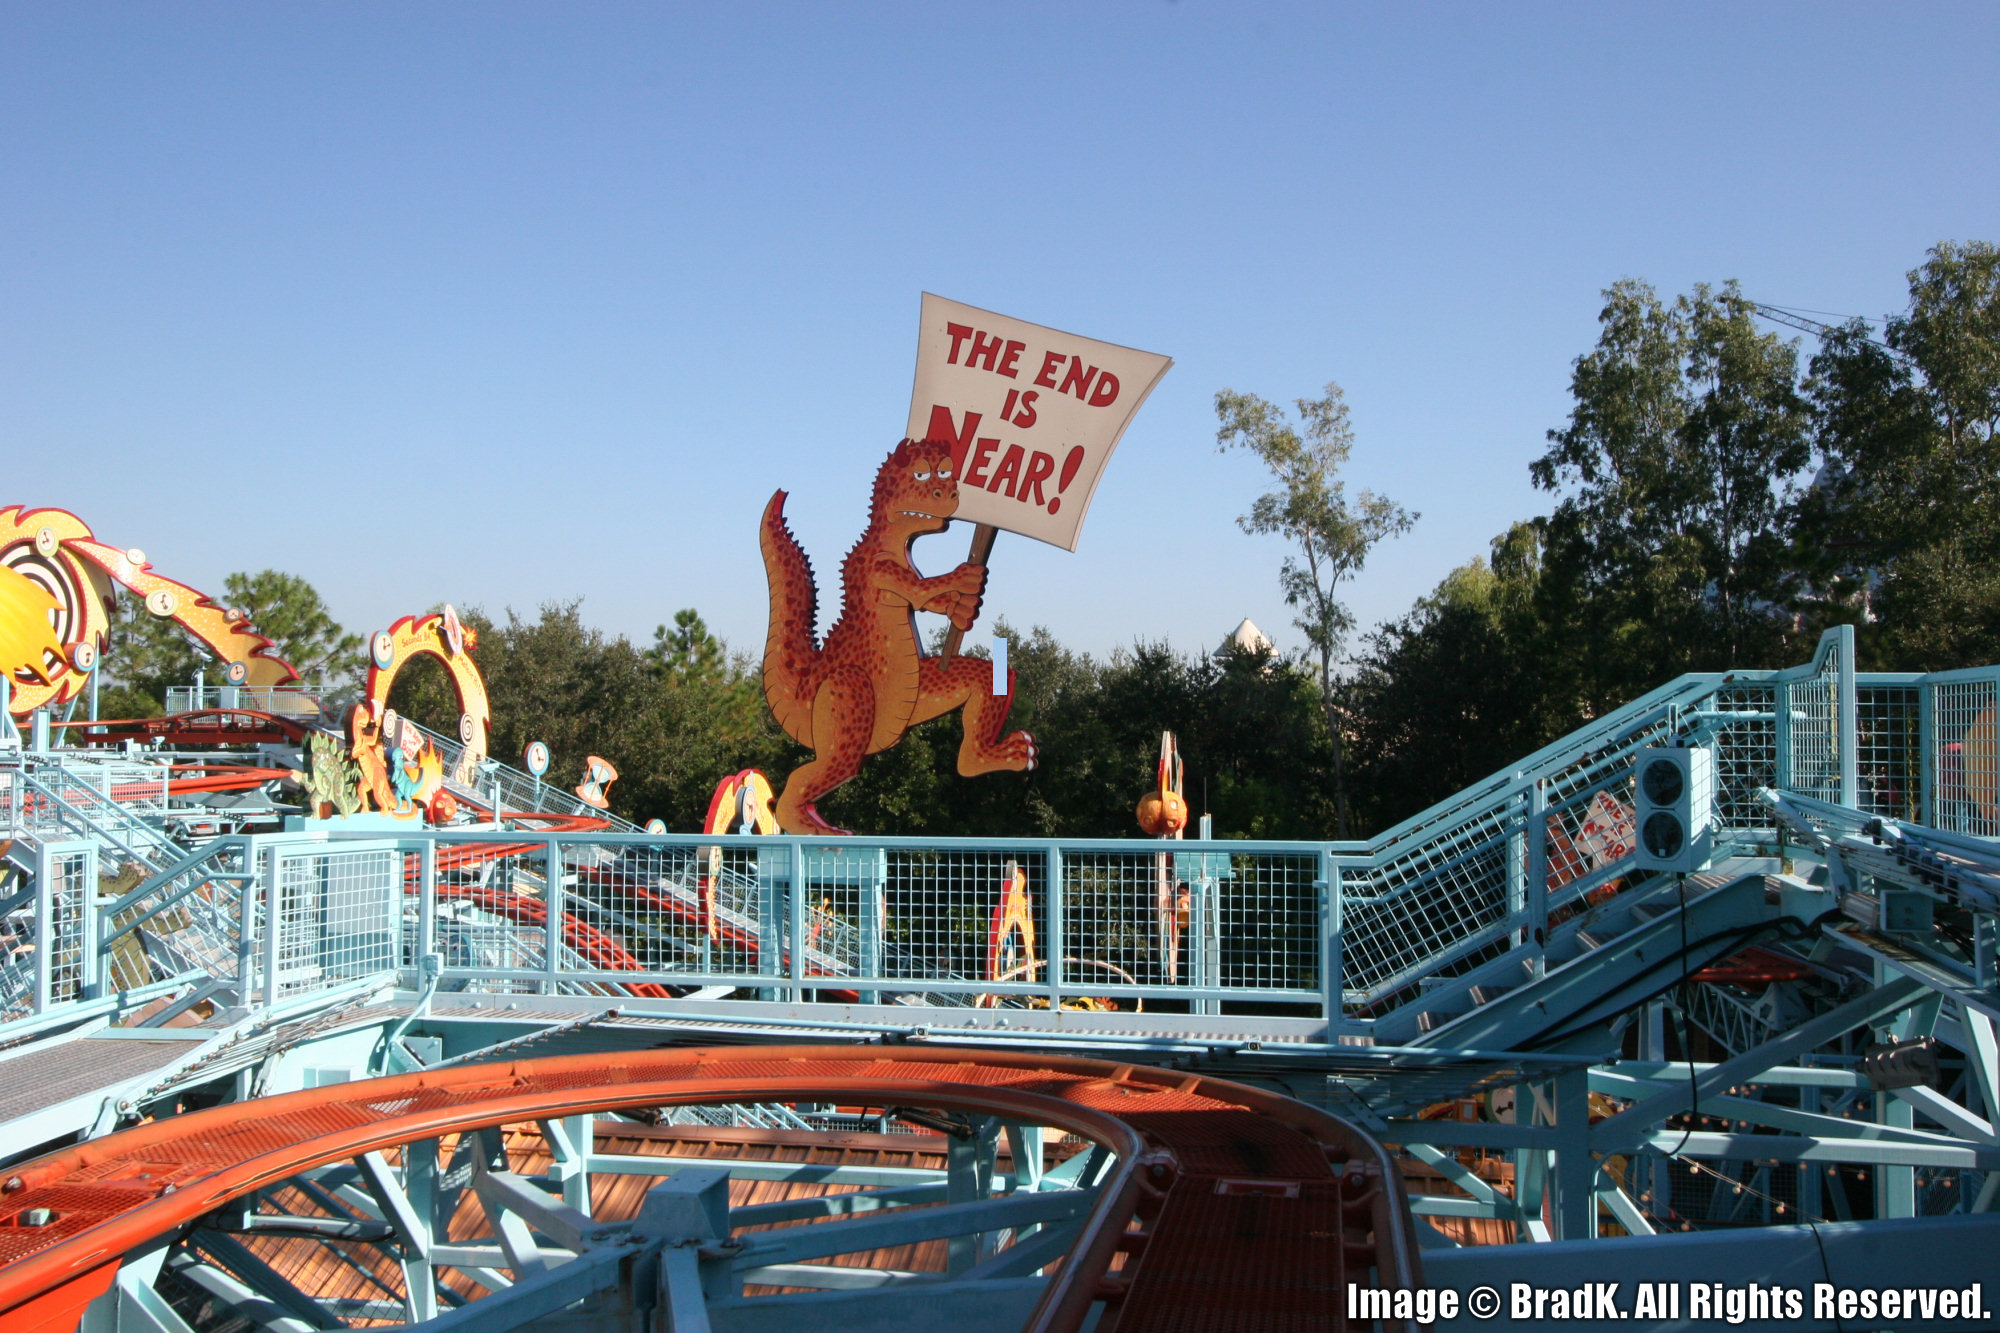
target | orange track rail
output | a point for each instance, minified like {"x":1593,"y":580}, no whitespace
{"x":208,"y":726}
{"x":1253,"y":1211}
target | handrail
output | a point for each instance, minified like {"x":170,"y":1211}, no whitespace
{"x":90,"y":827}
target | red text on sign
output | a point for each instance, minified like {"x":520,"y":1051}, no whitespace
{"x":989,"y":351}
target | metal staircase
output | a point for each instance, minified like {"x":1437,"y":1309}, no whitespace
{"x":1594,"y":967}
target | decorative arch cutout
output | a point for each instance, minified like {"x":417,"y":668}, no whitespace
{"x":438,"y":635}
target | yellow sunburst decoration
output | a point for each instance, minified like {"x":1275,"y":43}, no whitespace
{"x":29,"y":650}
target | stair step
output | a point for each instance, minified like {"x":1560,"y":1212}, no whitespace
{"x":1432,"y":1019}
{"x":1487,"y":994}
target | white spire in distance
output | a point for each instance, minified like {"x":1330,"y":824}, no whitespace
{"x":1249,"y":638}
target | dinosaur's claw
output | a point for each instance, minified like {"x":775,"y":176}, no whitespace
{"x":819,"y":825}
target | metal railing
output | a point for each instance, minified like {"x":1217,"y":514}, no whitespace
{"x":1347,"y":930}
{"x":300,"y":701}
{"x":118,"y":805}
{"x":489,"y":781}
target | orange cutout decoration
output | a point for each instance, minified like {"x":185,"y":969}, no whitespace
{"x":598,"y":774}
{"x":1163,"y":812}
{"x":1010,"y":945}
{"x":55,"y":550}
{"x":870,"y":682}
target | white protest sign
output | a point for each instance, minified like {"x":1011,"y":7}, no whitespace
{"x":1032,"y":414}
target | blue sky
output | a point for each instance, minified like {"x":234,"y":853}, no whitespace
{"x":498,"y":304}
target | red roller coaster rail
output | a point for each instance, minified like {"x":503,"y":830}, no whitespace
{"x":1235,"y":1208}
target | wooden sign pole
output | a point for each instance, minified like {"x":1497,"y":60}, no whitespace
{"x":982,"y":547}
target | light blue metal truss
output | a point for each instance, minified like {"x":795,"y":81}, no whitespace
{"x":683,"y":1263}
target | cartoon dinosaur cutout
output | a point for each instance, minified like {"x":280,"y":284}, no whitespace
{"x":870,"y":682}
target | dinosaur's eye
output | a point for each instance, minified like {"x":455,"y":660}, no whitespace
{"x":923,"y":474}
{"x":944,"y":470}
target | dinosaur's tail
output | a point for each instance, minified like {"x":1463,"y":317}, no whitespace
{"x":789,"y":646}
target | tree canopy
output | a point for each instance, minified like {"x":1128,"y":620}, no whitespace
{"x":1716,"y":506}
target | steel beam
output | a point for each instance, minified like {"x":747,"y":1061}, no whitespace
{"x":1622,"y":1132}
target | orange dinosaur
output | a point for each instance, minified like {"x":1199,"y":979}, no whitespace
{"x":871,"y":682}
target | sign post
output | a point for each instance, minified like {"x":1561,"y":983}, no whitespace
{"x":1032,"y":415}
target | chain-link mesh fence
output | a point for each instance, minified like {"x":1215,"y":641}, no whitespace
{"x":1964,"y":774}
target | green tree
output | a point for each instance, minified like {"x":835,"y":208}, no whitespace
{"x":1460,"y":687}
{"x":288,"y":610}
{"x":149,"y":653}
{"x":688,"y":652}
{"x":671,"y":734}
{"x":1667,"y":551}
{"x":1901,"y":528}
{"x":146,"y":654}
{"x":1311,"y":510}
{"x":1251,"y":732}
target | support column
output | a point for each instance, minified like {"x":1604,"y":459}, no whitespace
{"x":969,"y":1178}
{"x":1848,"y":710}
{"x":420,"y":1171}
{"x":1537,"y":928}
{"x":571,"y":1141}
{"x":874,"y":920}
{"x":773,"y":862}
{"x":1576,"y":1169}
{"x":1332,"y":961}
{"x":273,"y":923}
{"x":427,"y":875}
{"x":1896,"y":1186}
{"x":1652,"y":1173}
{"x":553,"y":899}
{"x":1052,"y":936}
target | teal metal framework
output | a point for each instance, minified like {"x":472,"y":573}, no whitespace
{"x":1495,"y":942}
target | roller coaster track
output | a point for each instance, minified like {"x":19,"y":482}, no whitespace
{"x":1232,"y":1207}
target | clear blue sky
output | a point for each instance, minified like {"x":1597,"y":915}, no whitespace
{"x":502,"y":303}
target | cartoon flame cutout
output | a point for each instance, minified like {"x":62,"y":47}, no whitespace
{"x":56,"y":550}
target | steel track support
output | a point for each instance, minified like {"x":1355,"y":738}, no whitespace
{"x":241,"y":1300}
{"x":969,"y":1178}
{"x":265,"y":1281}
{"x":1575,"y":1168}
{"x":420,"y":1186}
{"x":1624,"y":1131}
{"x":133,"y":1305}
{"x":411,"y":1223}
{"x":569,"y":1141}
{"x":1531,"y":1167}
{"x":1896,"y":1186}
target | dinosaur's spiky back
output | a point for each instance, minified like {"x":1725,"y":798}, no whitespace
{"x":790,"y":647}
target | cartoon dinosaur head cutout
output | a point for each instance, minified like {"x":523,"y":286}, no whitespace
{"x":916,"y":492}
